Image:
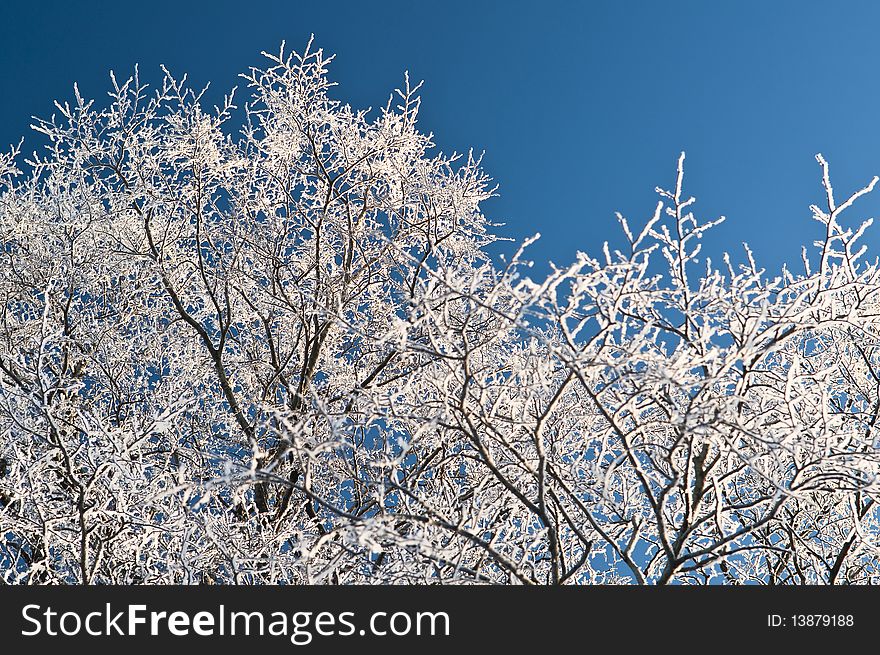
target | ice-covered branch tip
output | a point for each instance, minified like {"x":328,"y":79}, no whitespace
{"x":8,"y":167}
{"x":833,"y":208}
{"x":833,"y":230}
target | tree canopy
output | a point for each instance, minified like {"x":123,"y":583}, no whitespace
{"x":279,"y":353}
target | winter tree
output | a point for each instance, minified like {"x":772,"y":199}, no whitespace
{"x":265,"y":344}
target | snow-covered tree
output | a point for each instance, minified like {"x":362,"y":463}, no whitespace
{"x":279,"y":353}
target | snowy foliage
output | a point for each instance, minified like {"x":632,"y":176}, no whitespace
{"x":283,"y":356}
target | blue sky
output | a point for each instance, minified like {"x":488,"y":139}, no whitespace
{"x":581,"y":107}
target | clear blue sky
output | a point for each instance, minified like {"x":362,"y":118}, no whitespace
{"x":581,"y":107}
